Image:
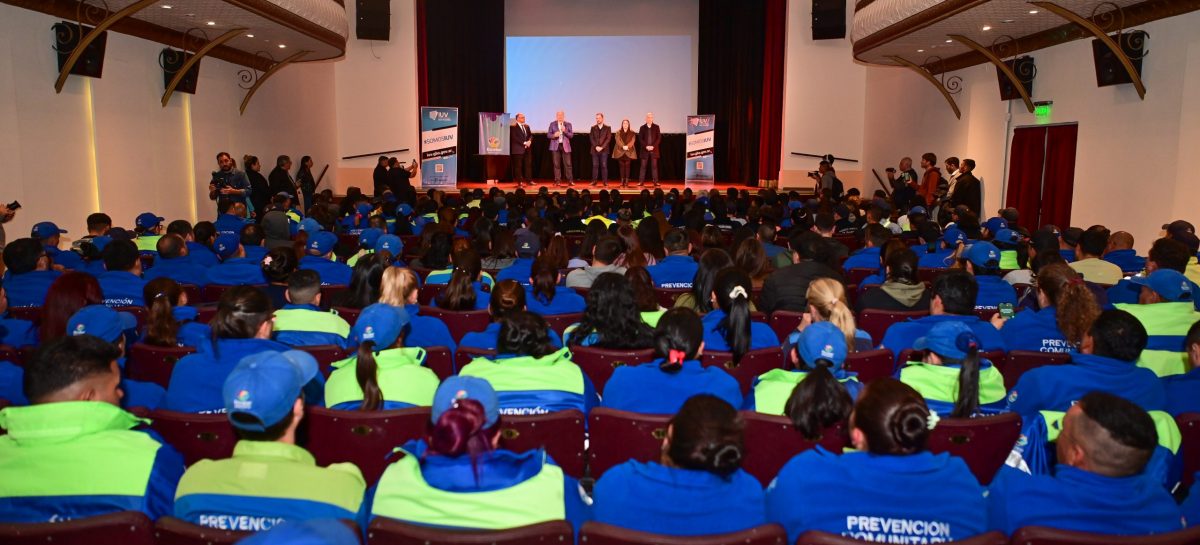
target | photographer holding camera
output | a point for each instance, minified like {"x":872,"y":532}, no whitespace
{"x":228,"y":183}
{"x":828,"y":186}
{"x":7,"y":212}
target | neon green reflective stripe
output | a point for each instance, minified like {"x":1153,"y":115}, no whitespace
{"x":1054,"y":422}
{"x":354,"y":258}
{"x":940,"y":383}
{"x":270,"y":469}
{"x":299,"y":319}
{"x":607,"y":222}
{"x":399,"y":374}
{"x":147,"y":243}
{"x":1169,"y":435}
{"x":436,"y":277}
{"x":652,"y":317}
{"x":1164,"y":319}
{"x":551,"y":372}
{"x":403,"y":494}
{"x":54,"y":449}
{"x":431,"y":217}
{"x":293,"y":216}
{"x":775,"y":387}
{"x":1008,"y":259}
{"x":1164,"y":363}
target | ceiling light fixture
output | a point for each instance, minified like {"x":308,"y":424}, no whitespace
{"x":949,"y":41}
{"x":920,"y":51}
{"x":165,"y":6}
{"x":1033,"y":12}
{"x":211,"y":23}
{"x":281,"y":46}
{"x":249,"y":35}
{"x":986,"y":28}
{"x":1007,"y":21}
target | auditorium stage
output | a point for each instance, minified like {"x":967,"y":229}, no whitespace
{"x":633,"y":188}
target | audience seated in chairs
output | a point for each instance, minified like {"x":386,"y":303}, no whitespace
{"x":384,"y":374}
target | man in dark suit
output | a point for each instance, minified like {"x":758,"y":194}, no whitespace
{"x":398,"y":176}
{"x":649,"y":137}
{"x":560,"y":133}
{"x":280,"y":180}
{"x":520,"y":139}
{"x":600,"y":137}
{"x":380,"y":176}
{"x":967,"y":189}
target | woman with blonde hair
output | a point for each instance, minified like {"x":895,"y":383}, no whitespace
{"x":827,"y":303}
{"x":399,"y":289}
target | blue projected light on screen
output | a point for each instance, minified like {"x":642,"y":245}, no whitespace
{"x":621,"y":76}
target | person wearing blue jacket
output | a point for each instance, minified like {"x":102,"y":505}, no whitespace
{"x":74,"y":431}
{"x":677,"y":269}
{"x":1099,"y":485}
{"x":169,"y":319}
{"x":521,"y":269}
{"x":944,"y":255}
{"x":235,"y":268}
{"x":28,"y":275}
{"x":398,"y":288}
{"x":531,"y":374}
{"x":506,"y":299}
{"x":1120,"y":252}
{"x":50,"y":235}
{"x":302,"y":322}
{"x":662,"y":386}
{"x":382,"y":374}
{"x":464,"y":291}
{"x":231,"y":220}
{"x":1066,"y":310}
{"x":319,"y":258}
{"x":819,"y":353}
{"x":952,"y":377}
{"x":698,"y":486}
{"x":1165,"y":253}
{"x":14,"y":331}
{"x":882,"y":492}
{"x":982,"y":260}
{"x":252,"y":238}
{"x":1183,"y":391}
{"x":111,"y":326}
{"x":241,"y":327}
{"x":953,"y":300}
{"x":456,"y":478}
{"x":868,"y":257}
{"x":172,"y":262}
{"x":122,"y":281}
{"x":1106,"y":362}
{"x":728,"y":328}
{"x":545,"y":296}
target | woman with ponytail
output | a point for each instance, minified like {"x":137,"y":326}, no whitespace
{"x":819,"y":392}
{"x":464,"y":290}
{"x":662,"y":386}
{"x":543,"y":295}
{"x":891,"y":488}
{"x":728,"y":327}
{"x":1067,"y":312}
{"x":697,"y":486}
{"x":506,"y":299}
{"x":827,"y":303}
{"x":169,"y":321}
{"x":457,"y":477}
{"x":383,"y":374}
{"x":953,"y":378}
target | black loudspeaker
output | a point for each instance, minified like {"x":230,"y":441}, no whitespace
{"x":373,"y":19}
{"x":172,"y":61}
{"x":1109,"y":70}
{"x":829,"y":19}
{"x":66,"y":38}
{"x":1025,"y":70}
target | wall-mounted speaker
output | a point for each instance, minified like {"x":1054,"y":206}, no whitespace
{"x":373,"y":19}
{"x":172,"y":61}
{"x":1109,"y":70}
{"x":828,"y":19}
{"x":66,"y":39}
{"x":1025,"y":70}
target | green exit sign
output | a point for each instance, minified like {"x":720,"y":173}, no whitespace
{"x":1042,"y":109}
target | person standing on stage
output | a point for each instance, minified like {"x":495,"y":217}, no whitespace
{"x":600,"y":136}
{"x":560,"y":133}
{"x":398,"y":180}
{"x":650,"y":136}
{"x":520,"y":139}
{"x":625,"y":149}
{"x":380,"y":176}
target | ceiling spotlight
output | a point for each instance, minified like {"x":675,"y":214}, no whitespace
{"x":165,"y":6}
{"x":986,"y":28}
{"x":281,"y":46}
{"x":249,"y":35}
{"x":949,"y":41}
{"x":1007,"y":21}
{"x":920,"y":51}
{"x":1033,"y":12}
{"x":211,"y":23}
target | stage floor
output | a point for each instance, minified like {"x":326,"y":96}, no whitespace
{"x":633,"y":188}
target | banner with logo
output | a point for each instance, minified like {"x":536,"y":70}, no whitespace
{"x":439,"y":146}
{"x":699,"y":158}
{"x":493,"y":133}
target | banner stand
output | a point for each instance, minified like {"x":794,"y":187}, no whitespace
{"x":439,"y":147}
{"x":701,"y":130}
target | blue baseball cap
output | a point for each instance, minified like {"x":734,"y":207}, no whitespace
{"x":460,"y":387}
{"x":100,"y":242}
{"x":949,"y":340}
{"x":45,"y":229}
{"x":322,"y":242}
{"x":917,"y":210}
{"x":369,"y":237}
{"x":528,"y":243}
{"x":1170,"y":285}
{"x":953,"y":236}
{"x":795,"y":204}
{"x":821,"y":341}
{"x":404,"y":209}
{"x":226,"y":245}
{"x":265,"y":386}
{"x":380,"y":323}
{"x":363,"y":208}
{"x":100,"y":321}
{"x":391,"y":243}
{"x":983,"y":254}
{"x":995,"y":224}
{"x":310,"y":226}
{"x":1006,"y":237}
{"x":146,"y":220}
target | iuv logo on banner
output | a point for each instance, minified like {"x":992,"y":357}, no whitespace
{"x":439,"y":146}
{"x":699,"y":159}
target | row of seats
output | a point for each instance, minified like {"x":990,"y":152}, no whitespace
{"x":134,"y":528}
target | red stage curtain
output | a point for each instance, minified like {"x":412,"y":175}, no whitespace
{"x":730,"y":84}
{"x":770,"y":133}
{"x":422,"y":64}
{"x":1059,"y":175}
{"x":1026,"y":159}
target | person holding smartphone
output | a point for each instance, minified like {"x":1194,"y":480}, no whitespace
{"x":1067,"y":311}
{"x":7,"y":213}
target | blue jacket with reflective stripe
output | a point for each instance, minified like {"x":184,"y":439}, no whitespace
{"x":1036,"y":331}
{"x":239,"y":271}
{"x":761,"y":335}
{"x":28,"y":289}
{"x":180,"y":269}
{"x":489,"y":338}
{"x":686,"y":502}
{"x":1057,"y":387}
{"x":197,"y":380}
{"x":565,"y":301}
{"x":647,"y":389}
{"x":673,"y":272}
{"x":902,"y":335}
{"x":122,"y":289}
{"x":332,"y":272}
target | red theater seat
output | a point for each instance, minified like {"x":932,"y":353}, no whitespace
{"x":124,"y":527}
{"x":1189,"y":447}
{"x":560,"y":322}
{"x":386,"y":531}
{"x":616,"y":436}
{"x":173,"y":531}
{"x":459,"y":323}
{"x":154,"y":363}
{"x":1018,"y":362}
{"x":984,"y":443}
{"x":560,"y":433}
{"x":599,"y":363}
{"x":596,"y":533}
{"x":752,"y":364}
{"x":772,"y":440}
{"x":871,"y":364}
{"x":784,"y":322}
{"x":440,"y":361}
{"x":325,"y":354}
{"x":195,"y":436}
{"x":876,"y":322}
{"x":365,"y":438}
{"x":1037,"y":535}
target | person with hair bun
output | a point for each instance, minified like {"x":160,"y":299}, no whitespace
{"x":663,"y":385}
{"x":954,"y":379}
{"x":531,"y":372}
{"x":698,"y":486}
{"x":820,"y":392}
{"x":398,"y":288}
{"x":169,"y":319}
{"x":383,"y":374}
{"x":728,"y":328}
{"x":507,"y":298}
{"x":1067,"y":311}
{"x":457,"y":477}
{"x":891,"y":489}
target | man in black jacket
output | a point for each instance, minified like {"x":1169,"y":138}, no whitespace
{"x":380,"y":176}
{"x":520,"y":140}
{"x":280,"y":180}
{"x":967,"y":190}
{"x":787,"y":288}
{"x":600,"y":136}
{"x":649,"y":136}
